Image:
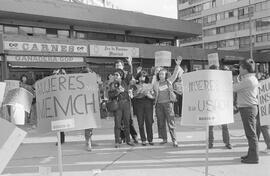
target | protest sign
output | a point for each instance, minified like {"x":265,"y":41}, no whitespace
{"x":264,"y":102}
{"x":163,"y":58}
{"x":2,"y":91}
{"x":207,"y":98}
{"x":68,"y":102}
{"x":10,"y":139}
{"x":11,"y":84}
{"x":19,"y":97}
{"x":213,"y":59}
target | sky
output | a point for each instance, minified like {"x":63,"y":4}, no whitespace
{"x":164,"y":8}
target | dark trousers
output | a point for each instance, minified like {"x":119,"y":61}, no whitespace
{"x":225,"y":134}
{"x":122,"y":115}
{"x":165,"y":114}
{"x":62,"y":137}
{"x":264,"y":130}
{"x":178,"y":105}
{"x":248,"y":116}
{"x":145,"y":116}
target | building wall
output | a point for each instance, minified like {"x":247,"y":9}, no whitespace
{"x":226,"y":23}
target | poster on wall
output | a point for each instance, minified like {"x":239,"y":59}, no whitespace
{"x":264,"y":102}
{"x":68,"y":102}
{"x":213,"y":59}
{"x":207,"y":98}
{"x":163,"y":58}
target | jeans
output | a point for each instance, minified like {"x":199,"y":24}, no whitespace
{"x":248,"y":116}
{"x":264,"y":130}
{"x":165,"y":114}
{"x":145,"y":116}
{"x":225,"y":134}
{"x":122,"y":114}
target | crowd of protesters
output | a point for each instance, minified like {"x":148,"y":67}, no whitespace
{"x":126,"y":94}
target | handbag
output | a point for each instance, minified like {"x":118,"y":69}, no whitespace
{"x":112,"y":105}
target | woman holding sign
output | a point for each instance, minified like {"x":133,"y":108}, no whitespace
{"x":164,"y":98}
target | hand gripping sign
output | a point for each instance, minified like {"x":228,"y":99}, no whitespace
{"x":207,"y":98}
{"x":68,"y":102}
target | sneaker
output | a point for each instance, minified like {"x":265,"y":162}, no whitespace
{"x":210,"y":146}
{"x":130,"y":144}
{"x":144,"y":143}
{"x":117,"y":145}
{"x":175,"y":144}
{"x":163,"y":142}
{"x":89,"y":148}
{"x":247,"y":161}
{"x":228,"y":146}
{"x":151,"y":143}
{"x":266,"y":151}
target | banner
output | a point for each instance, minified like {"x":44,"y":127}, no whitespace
{"x":264,"y":102}
{"x":207,"y":98}
{"x":163,"y":58}
{"x":19,"y":97}
{"x":68,"y":102}
{"x":9,"y":141}
{"x":113,"y":51}
{"x":213,"y":59}
{"x":2,"y":91}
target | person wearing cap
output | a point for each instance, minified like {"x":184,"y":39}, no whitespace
{"x":119,"y":91}
{"x":128,"y":77}
{"x":247,"y":91}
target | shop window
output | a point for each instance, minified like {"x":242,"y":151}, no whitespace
{"x":1,"y":28}
{"x":39,"y":31}
{"x":63,"y":33}
{"x":11,"y":30}
{"x":51,"y":32}
{"x":26,"y":30}
{"x":81,"y":35}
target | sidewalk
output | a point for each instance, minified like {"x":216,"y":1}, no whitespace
{"x":104,"y":160}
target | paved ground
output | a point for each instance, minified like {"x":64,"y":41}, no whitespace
{"x":39,"y":151}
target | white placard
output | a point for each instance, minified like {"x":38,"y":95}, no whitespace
{"x":207,"y":98}
{"x":113,"y":51}
{"x":264,"y":102}
{"x":2,"y":91}
{"x":63,"y":124}
{"x":163,"y":58}
{"x":213,"y":59}
{"x":44,"y":47}
{"x":65,"y":97}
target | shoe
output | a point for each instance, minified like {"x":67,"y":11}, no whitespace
{"x":210,"y":146}
{"x":244,"y":157}
{"x":130,"y":144}
{"x":175,"y":144}
{"x":266,"y":151}
{"x":228,"y":146}
{"x":117,"y":145}
{"x":89,"y":148}
{"x":163,"y":142}
{"x":151,"y":143}
{"x":136,"y":141}
{"x":144,"y":143}
{"x":249,"y":161}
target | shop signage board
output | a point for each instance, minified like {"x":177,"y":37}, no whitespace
{"x":113,"y":51}
{"x":10,"y":140}
{"x":163,"y":58}
{"x":68,"y":102}
{"x":43,"y":59}
{"x":264,"y":102}
{"x":44,"y":47}
{"x":207,"y":98}
{"x":213,"y":59}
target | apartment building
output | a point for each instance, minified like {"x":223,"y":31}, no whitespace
{"x":228,"y":24}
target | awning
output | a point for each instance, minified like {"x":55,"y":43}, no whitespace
{"x":46,"y":64}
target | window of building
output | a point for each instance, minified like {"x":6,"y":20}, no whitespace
{"x":51,"y":32}
{"x":81,"y":35}
{"x":259,"y":38}
{"x":11,"y":29}
{"x":264,"y":37}
{"x":268,"y":36}
{"x":222,"y":44}
{"x":230,"y":14}
{"x":63,"y":33}
{"x":263,"y":24}
{"x":1,"y":28}
{"x":26,"y":30}
{"x":39,"y":31}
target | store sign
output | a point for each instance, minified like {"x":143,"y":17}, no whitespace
{"x":43,"y":59}
{"x":113,"y":51}
{"x":44,"y":47}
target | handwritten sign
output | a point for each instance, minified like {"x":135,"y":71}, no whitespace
{"x":207,"y":98}
{"x":213,"y":59}
{"x":11,"y":84}
{"x":264,"y":102}
{"x":9,"y":141}
{"x":68,"y":102}
{"x":163,"y":58}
